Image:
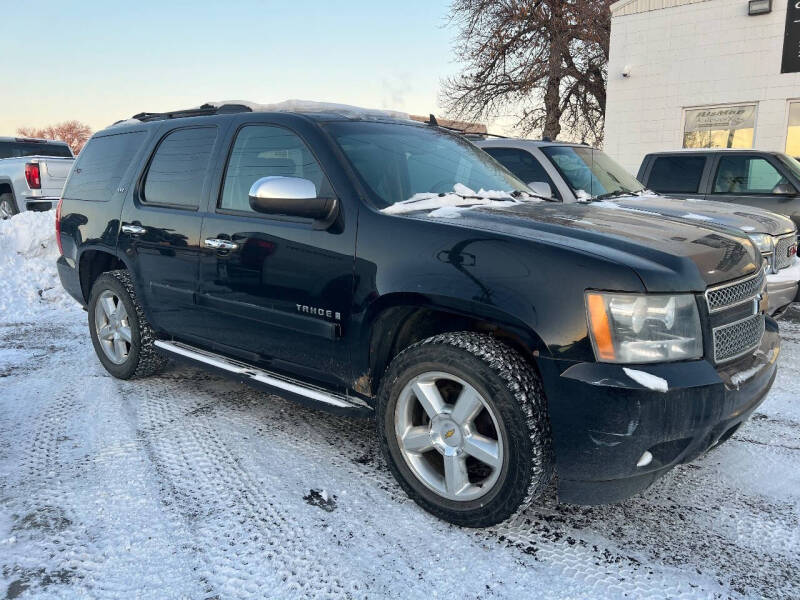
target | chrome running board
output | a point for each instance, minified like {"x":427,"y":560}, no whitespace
{"x":319,"y":396}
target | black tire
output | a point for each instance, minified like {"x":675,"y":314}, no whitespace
{"x":143,"y":357}
{"x":514,"y":391}
{"x":8,"y":208}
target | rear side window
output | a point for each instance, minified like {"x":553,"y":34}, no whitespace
{"x":101,"y":165}
{"x":179,"y":167}
{"x":677,"y":174}
{"x":19,"y":149}
{"x":523,"y":165}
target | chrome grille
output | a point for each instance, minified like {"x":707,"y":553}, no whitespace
{"x":731,"y":294}
{"x":782,"y":257}
{"x":735,"y":339}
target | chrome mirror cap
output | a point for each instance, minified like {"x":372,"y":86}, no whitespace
{"x":293,"y":197}
{"x":541,"y":188}
{"x":279,"y":187}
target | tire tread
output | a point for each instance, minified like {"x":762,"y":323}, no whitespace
{"x":525,"y":387}
{"x":150,"y":360}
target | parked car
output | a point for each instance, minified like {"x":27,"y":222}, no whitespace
{"x":348,"y":262}
{"x":758,"y":178}
{"x":32,"y":174}
{"x":577,"y":173}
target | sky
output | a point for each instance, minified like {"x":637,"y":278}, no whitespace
{"x":99,"y":62}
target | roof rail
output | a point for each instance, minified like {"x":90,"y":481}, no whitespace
{"x":28,"y":140}
{"x":483,"y":136}
{"x":204,"y":110}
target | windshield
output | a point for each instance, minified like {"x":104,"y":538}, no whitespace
{"x":590,"y":173}
{"x":792,"y":163}
{"x":18,"y":149}
{"x":397,"y":161}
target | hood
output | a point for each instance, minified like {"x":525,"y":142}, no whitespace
{"x":668,"y":255}
{"x":746,"y":218}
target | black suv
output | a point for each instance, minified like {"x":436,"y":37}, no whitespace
{"x":768,"y":180}
{"x":345,"y":261}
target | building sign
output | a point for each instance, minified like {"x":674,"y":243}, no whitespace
{"x":720,"y":127}
{"x":791,"y":40}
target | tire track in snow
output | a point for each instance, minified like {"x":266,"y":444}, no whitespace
{"x":76,"y":476}
{"x":197,"y":469}
{"x":221,"y":469}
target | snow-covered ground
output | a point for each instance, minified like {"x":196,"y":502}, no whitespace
{"x":189,"y":486}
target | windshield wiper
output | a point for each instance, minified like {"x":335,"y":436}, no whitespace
{"x":614,"y":194}
{"x":518,"y":193}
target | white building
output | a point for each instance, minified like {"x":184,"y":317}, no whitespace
{"x":702,"y":73}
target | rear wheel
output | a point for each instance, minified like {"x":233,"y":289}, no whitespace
{"x":122,"y":337}
{"x":8,"y":208}
{"x":463,"y":425}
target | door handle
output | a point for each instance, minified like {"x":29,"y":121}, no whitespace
{"x":134,"y":229}
{"x":217,"y":244}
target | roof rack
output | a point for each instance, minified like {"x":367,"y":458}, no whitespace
{"x":28,"y":140}
{"x":204,"y":110}
{"x":483,"y":136}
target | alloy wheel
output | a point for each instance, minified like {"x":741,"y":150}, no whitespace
{"x":112,"y":326}
{"x":6,"y":211}
{"x":449,"y":436}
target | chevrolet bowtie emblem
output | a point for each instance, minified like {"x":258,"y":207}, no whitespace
{"x":449,"y":434}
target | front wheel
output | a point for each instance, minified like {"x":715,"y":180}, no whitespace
{"x":462,"y":421}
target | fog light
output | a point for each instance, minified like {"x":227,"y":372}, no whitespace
{"x":645,"y":459}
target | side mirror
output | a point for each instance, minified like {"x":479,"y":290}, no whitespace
{"x":293,"y":197}
{"x":541,"y":188}
{"x":784,"y":189}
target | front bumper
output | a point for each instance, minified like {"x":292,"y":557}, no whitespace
{"x":603,"y":421}
{"x":782,"y":287}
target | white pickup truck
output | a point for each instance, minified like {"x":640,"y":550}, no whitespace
{"x":32,"y":174}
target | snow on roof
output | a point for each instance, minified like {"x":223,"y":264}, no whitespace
{"x":312,"y":106}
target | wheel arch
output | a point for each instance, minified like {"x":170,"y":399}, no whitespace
{"x":92,"y":263}
{"x":400,"y":320}
{"x":7,"y":187}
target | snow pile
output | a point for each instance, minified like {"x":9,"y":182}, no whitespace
{"x":28,"y":254}
{"x":451,"y":205}
{"x":790,"y":273}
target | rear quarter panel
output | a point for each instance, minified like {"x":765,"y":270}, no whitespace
{"x":94,"y":225}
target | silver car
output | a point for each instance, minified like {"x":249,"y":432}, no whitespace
{"x":578,"y":173}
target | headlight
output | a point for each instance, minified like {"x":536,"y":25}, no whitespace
{"x":764,"y":242}
{"x":643,"y":328}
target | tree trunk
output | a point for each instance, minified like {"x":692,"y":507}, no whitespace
{"x":552,"y":94}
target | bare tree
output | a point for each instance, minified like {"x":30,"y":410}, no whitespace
{"x":74,"y":133}
{"x":543,"y":60}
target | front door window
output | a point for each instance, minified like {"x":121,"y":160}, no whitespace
{"x":747,"y":175}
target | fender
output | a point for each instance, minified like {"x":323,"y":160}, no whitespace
{"x":397,"y":320}
{"x":530,"y":288}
